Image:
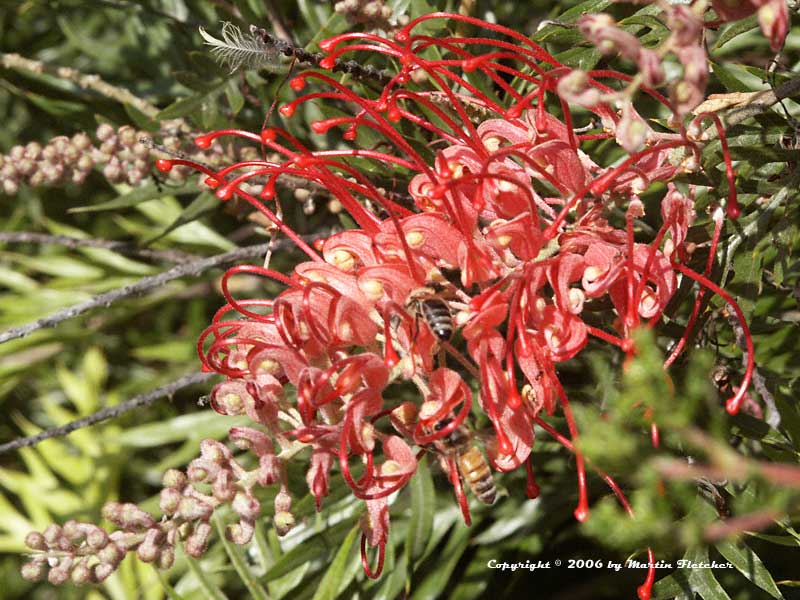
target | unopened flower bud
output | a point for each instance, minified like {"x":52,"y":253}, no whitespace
{"x":96,"y":538}
{"x":283,"y":501}
{"x":193,"y":509}
{"x":240,"y":533}
{"x":245,"y":505}
{"x":113,"y":171}
{"x":201,"y":470}
{"x":111,"y":555}
{"x":33,"y":570}
{"x":127,"y":135}
{"x":25,"y":167}
{"x":33,"y":150}
{"x":173,"y":478}
{"x":52,"y":533}
{"x":196,"y":544}
{"x":104,"y":132}
{"x":166,"y":557}
{"x":284,"y":523}
{"x":224,"y":487}
{"x":73,"y":530}
{"x":103,"y":571}
{"x":269,"y":469}
{"x":35,"y":541}
{"x":215,"y":451}
{"x":59,"y":575}
{"x":133,"y":517}
{"x":81,"y":574}
{"x":148,"y":550}
{"x":169,"y":500}
{"x":81,"y":141}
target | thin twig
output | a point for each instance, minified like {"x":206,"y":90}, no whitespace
{"x":82,"y":80}
{"x":111,"y":412}
{"x":759,"y":104}
{"x":773,"y":417}
{"x":143,"y":285}
{"x":126,"y":248}
{"x":351,"y":67}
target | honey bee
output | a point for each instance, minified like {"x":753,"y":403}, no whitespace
{"x":471,"y":463}
{"x":434,"y":310}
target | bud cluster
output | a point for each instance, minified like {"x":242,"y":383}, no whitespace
{"x":118,"y":154}
{"x":85,"y":553}
{"x":373,"y":14}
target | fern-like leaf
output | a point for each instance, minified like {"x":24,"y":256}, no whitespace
{"x":238,"y":50}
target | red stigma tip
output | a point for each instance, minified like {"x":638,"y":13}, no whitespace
{"x":514,"y":112}
{"x":351,"y":134}
{"x":394,"y":114}
{"x":471,"y":64}
{"x":224,"y":193}
{"x":298,"y":83}
{"x":327,"y":63}
{"x":733,"y":210}
{"x":164,"y":165}
{"x":318,"y":244}
{"x":269,"y":135}
{"x":212,"y":182}
{"x":532,"y":491}
{"x":326,"y":45}
{"x":202,"y":141}
{"x":319,"y":127}
{"x":287,"y":110}
{"x":514,"y":400}
{"x":581,"y":513}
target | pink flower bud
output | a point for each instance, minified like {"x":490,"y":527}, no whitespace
{"x":35,"y":541}
{"x":169,"y":501}
{"x":241,"y":532}
{"x":166,"y":557}
{"x":173,"y":478}
{"x":60,"y":574}
{"x":111,"y":555}
{"x":193,"y":509}
{"x":224,"y":486}
{"x":245,"y":505}
{"x":575,"y":88}
{"x":103,"y":571}
{"x":52,"y":534}
{"x":284,"y":523}
{"x":104,"y":132}
{"x":81,"y":574}
{"x":196,"y":544}
{"x":33,"y":570}
{"x":148,"y":550}
{"x":96,"y":538}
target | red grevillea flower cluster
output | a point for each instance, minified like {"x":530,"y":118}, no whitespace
{"x":509,"y":227}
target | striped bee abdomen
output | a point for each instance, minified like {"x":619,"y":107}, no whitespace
{"x":438,"y":317}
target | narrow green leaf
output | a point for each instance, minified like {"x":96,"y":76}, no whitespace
{"x":211,"y":591}
{"x":423,"y":502}
{"x":395,"y":580}
{"x":189,"y":105}
{"x":205,"y":202}
{"x":433,"y":585}
{"x":239,"y":564}
{"x":735,"y":29}
{"x":234,"y":96}
{"x":749,"y":564}
{"x":332,"y":580}
{"x":316,"y":547}
{"x":703,"y":580}
{"x":143,"y":193}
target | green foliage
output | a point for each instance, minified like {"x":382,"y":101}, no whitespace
{"x":153,"y":49}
